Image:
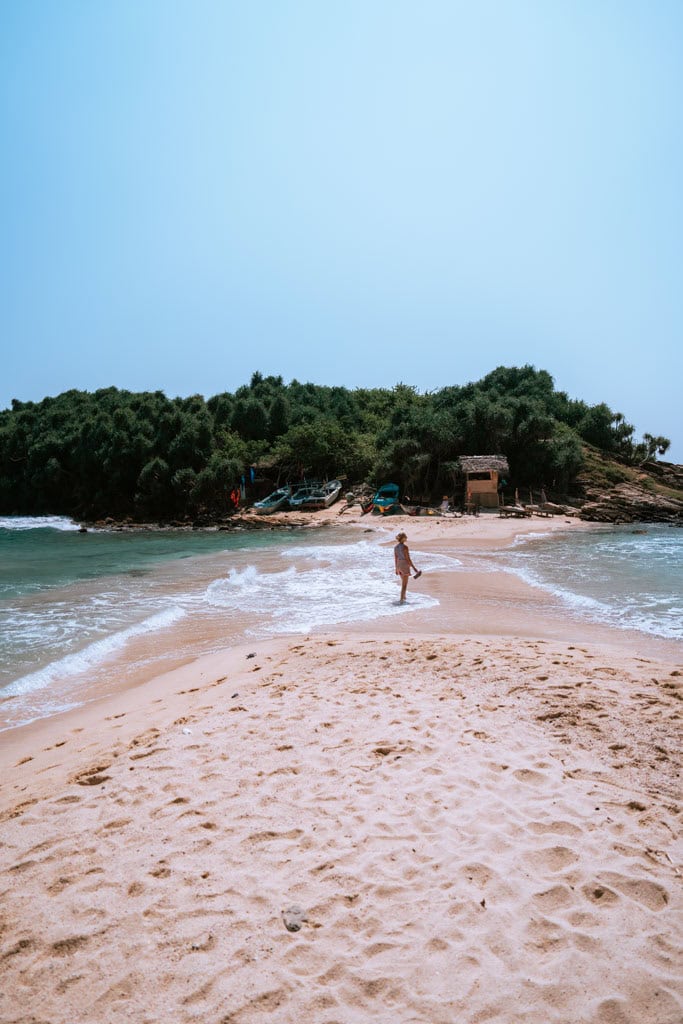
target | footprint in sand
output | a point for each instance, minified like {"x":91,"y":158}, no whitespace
{"x":531,"y":777}
{"x":556,"y":898}
{"x":92,"y":776}
{"x":649,"y":894}
{"x":59,"y":885}
{"x":563,"y":828}
{"x":552,"y":858}
{"x":480,"y":874}
{"x":23,"y":866}
{"x":64,"y":947}
{"x":652,"y":1003}
{"x":600,"y":894}
{"x":22,"y":946}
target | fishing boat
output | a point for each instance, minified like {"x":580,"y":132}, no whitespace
{"x":385,"y":500}
{"x":323,"y":496}
{"x":277,"y":500}
{"x":301,"y":494}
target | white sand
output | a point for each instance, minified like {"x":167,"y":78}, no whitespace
{"x":481,"y":828}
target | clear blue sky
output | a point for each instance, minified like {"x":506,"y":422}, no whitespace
{"x":358,"y":192}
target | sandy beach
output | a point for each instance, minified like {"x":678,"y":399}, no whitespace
{"x":473,"y":815}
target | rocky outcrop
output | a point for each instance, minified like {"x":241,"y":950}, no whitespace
{"x":666,"y":473}
{"x":630,"y":503}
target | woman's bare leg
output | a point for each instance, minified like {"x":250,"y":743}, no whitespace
{"x":404,"y":587}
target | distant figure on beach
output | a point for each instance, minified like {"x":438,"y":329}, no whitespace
{"x":403,"y":563}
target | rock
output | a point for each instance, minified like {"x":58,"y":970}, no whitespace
{"x":630,"y":503}
{"x":293,"y":918}
{"x":667,"y":472}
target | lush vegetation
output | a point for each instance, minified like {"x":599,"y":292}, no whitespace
{"x":116,"y":453}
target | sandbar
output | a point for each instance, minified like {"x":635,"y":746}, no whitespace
{"x":471,"y":815}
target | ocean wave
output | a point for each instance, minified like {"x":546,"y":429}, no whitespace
{"x":652,"y":614}
{"x":329,"y":584}
{"x":369,"y":554}
{"x":627,"y":577}
{"x":90,"y":656}
{"x":38,"y":523}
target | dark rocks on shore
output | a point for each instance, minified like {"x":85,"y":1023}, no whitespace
{"x":632,"y":503}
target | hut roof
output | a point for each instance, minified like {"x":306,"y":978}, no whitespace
{"x":482,"y":463}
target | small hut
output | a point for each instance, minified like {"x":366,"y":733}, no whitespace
{"x":483,"y":474}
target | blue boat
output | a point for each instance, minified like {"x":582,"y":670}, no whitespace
{"x":386,"y":499}
{"x":302,"y":493}
{"x":277,"y":500}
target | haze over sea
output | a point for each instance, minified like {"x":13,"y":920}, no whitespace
{"x":85,"y":614}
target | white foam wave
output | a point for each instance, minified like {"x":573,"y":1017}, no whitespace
{"x":522,"y":539}
{"x":37,"y":523}
{"x":93,"y":654}
{"x":369,"y":554}
{"x":328,"y":585}
{"x":578,"y":601}
{"x":654,"y":615}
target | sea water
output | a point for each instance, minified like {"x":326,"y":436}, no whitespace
{"x":81,"y":612}
{"x":84,"y":613}
{"x":626,"y":577}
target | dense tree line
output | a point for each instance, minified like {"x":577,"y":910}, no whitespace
{"x":117,"y":453}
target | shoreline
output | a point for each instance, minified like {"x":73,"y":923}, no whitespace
{"x":469,"y":813}
{"x":474,"y":601}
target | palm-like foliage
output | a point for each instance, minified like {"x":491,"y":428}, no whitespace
{"x":114,"y":452}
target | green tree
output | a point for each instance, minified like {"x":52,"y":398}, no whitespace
{"x":154,"y":495}
{"x":250,"y":419}
{"x":279,"y":417}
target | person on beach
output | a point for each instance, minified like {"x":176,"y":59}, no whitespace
{"x":403,"y":564}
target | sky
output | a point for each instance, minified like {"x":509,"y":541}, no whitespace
{"x":354,"y":193}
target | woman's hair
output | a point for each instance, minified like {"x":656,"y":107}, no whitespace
{"x":400,"y":536}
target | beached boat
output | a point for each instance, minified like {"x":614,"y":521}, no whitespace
{"x":324,"y":496}
{"x":277,"y":500}
{"x":386,"y":499}
{"x":302,"y":493}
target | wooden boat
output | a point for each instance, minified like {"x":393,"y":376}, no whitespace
{"x":323,"y":497}
{"x":301,"y":494}
{"x":277,"y":500}
{"x":386,"y":499}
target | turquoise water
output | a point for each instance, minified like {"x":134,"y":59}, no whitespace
{"x":46,"y":552}
{"x":80,"y":612}
{"x":77,"y":609}
{"x":628,"y":577}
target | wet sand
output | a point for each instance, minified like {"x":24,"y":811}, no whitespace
{"x":472,"y":815}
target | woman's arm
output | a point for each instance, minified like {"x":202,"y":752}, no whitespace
{"x":408,"y":558}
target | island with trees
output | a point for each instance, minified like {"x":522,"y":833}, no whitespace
{"x":146,"y":457}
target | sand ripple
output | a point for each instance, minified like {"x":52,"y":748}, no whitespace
{"x":423,"y":832}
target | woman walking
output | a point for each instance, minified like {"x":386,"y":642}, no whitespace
{"x":404,"y":563}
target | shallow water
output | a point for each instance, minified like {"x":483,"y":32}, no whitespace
{"x":81,"y":614}
{"x":627,"y":577}
{"x":74,"y":605}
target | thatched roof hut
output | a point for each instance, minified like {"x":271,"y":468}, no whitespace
{"x":482,"y":474}
{"x":484,"y":463}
